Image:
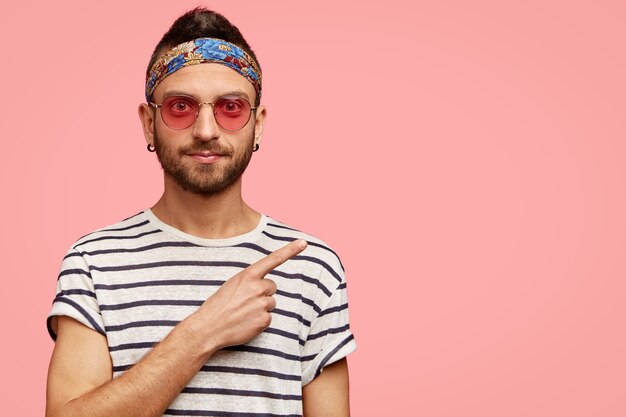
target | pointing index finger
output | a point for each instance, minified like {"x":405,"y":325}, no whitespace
{"x":278,"y":257}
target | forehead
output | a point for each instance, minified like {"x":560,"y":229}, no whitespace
{"x":205,"y":81}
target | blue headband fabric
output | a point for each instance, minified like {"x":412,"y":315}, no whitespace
{"x":200,"y":51}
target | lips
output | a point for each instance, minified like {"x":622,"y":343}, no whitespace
{"x":205,"y":157}
{"x":205,"y":154}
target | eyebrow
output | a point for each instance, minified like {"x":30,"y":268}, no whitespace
{"x":238,"y":93}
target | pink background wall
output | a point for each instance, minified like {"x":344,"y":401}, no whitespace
{"x":466,"y":159}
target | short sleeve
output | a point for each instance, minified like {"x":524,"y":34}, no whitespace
{"x":75,"y":295}
{"x":330,"y":338}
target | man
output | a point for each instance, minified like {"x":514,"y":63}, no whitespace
{"x":200,"y":305}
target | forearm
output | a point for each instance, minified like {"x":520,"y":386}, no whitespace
{"x":149,"y":387}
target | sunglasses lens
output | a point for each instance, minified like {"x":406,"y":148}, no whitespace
{"x":231,"y":112}
{"x":179,"y":112}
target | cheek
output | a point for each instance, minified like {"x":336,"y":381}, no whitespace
{"x":168,"y":138}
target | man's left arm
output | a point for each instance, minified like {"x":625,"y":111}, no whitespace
{"x":328,"y":394}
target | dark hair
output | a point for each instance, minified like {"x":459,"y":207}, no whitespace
{"x":201,"y":23}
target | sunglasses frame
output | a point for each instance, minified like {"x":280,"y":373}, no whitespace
{"x":200,"y":103}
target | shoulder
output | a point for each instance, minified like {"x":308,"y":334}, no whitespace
{"x":317,"y":250}
{"x":130,"y":228}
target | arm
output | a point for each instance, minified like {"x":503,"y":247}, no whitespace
{"x":328,"y":394}
{"x":80,"y":376}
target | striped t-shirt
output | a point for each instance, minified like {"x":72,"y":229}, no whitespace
{"x":135,"y":280}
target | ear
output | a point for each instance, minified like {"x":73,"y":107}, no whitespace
{"x":146,"y":116}
{"x":259,"y":123}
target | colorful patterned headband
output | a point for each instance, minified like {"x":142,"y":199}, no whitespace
{"x":201,"y":51}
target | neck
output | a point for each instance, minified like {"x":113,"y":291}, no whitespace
{"x":216,"y":216}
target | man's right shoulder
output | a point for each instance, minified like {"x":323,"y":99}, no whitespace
{"x":130,"y":228}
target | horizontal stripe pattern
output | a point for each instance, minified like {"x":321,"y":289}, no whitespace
{"x":240,"y":392}
{"x":137,"y":236}
{"x":215,"y":413}
{"x":136,"y":280}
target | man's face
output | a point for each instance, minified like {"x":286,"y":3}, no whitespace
{"x":203,"y":158}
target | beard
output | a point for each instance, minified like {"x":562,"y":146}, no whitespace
{"x":204,"y":179}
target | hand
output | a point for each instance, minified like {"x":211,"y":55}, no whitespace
{"x":240,"y":309}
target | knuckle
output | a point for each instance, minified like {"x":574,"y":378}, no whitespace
{"x":261,"y":304}
{"x":258,"y":288}
{"x":266,"y":320}
{"x":276,"y":257}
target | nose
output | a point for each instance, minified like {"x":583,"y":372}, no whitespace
{"x":206,"y":128}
